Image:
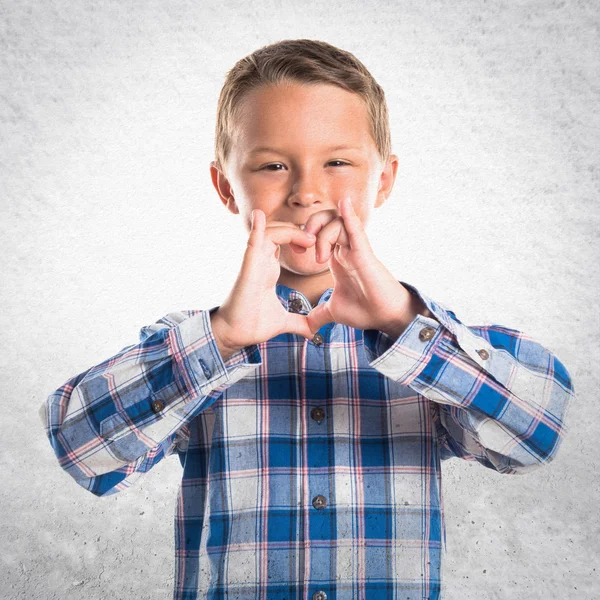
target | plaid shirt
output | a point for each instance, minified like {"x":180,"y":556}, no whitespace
{"x":311,"y":468}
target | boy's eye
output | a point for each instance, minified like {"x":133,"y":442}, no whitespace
{"x":340,"y":163}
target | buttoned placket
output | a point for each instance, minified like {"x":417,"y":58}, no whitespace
{"x":318,"y":415}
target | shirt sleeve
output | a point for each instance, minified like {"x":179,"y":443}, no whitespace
{"x":116,"y":420}
{"x":501,"y":397}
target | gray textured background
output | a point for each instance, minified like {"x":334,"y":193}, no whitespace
{"x":109,"y":221}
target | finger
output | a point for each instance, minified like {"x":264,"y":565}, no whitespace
{"x":298,"y":324}
{"x":295,"y":248}
{"x":282,"y":224}
{"x":289,"y":235}
{"x":255,"y":240}
{"x":332,"y":234}
{"x":353,"y":225}
{"x":255,"y":246}
{"x":318,"y":220}
{"x":319,"y":316}
{"x":313,"y":225}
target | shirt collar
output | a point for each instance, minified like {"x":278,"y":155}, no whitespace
{"x":287,"y":294}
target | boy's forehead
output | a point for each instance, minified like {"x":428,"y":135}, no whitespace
{"x":324,"y":115}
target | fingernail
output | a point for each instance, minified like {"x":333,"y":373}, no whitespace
{"x":310,"y":235}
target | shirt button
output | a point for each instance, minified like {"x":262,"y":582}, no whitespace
{"x":318,"y":339}
{"x":318,"y":414}
{"x":157,"y":405}
{"x":320,"y":595}
{"x":295,"y":305}
{"x":426,"y":333}
{"x":319,"y":502}
{"x":483,"y":353}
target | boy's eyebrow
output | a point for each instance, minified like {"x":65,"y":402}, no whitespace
{"x":277,"y":150}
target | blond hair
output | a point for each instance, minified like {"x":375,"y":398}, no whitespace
{"x":303,"y":61}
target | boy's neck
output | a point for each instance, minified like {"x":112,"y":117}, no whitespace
{"x":311,"y":286}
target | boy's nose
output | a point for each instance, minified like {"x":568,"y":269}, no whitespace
{"x":305,"y":199}
{"x":307,"y":188}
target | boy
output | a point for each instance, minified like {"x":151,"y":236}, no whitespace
{"x":312,"y":409}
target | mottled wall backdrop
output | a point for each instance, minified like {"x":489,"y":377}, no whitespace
{"x":109,"y":221}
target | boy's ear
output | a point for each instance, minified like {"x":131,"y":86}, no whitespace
{"x":221,"y":184}
{"x":387,"y":179}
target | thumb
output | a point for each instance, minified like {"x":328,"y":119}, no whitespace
{"x":254,"y":246}
{"x":319,"y":316}
{"x":354,"y":227}
{"x":257,"y":229}
{"x":298,"y":324}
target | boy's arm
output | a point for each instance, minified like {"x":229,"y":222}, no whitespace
{"x":116,"y":420}
{"x":501,"y":397}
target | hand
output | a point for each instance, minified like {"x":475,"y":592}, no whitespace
{"x":252,"y":312}
{"x":365,"y":295}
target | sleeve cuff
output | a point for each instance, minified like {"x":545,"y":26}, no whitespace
{"x":199,"y":366}
{"x":404,"y":358}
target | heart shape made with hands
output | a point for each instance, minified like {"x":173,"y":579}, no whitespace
{"x":365,"y":294}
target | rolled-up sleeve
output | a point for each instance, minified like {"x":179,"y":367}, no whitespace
{"x":501,"y":397}
{"x":116,"y":420}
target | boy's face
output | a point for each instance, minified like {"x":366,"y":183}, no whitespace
{"x":299,"y":149}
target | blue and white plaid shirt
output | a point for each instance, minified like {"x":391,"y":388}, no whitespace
{"x":311,"y":468}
